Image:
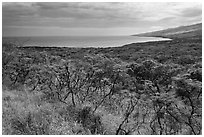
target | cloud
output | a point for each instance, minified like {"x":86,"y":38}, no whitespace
{"x":99,"y":15}
{"x":67,"y":14}
{"x":17,"y":9}
{"x":51,"y":5}
{"x":191,"y":12}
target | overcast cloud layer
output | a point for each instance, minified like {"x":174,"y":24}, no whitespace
{"x":28,"y":19}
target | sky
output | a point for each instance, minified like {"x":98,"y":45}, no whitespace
{"x":95,"y":19}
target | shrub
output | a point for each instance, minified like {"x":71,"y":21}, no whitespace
{"x":89,"y":120}
{"x":30,"y":125}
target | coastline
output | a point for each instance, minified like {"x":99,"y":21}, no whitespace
{"x":81,"y":41}
{"x":130,"y":52}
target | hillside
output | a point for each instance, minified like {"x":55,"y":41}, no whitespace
{"x":191,"y":31}
{"x":151,"y":88}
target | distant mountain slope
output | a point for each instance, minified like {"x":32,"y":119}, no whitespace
{"x":191,"y":31}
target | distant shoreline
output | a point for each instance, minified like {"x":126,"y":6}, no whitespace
{"x":80,"y":42}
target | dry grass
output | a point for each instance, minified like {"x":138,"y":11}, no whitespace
{"x":27,"y":113}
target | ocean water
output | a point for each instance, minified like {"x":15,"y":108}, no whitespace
{"x":102,"y":42}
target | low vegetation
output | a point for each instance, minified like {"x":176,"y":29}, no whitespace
{"x":152,"y":88}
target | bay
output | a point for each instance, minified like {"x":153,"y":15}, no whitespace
{"x":80,"y":41}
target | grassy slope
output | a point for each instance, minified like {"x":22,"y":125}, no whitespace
{"x":178,"y":32}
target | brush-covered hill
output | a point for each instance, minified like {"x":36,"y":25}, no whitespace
{"x":191,"y":31}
